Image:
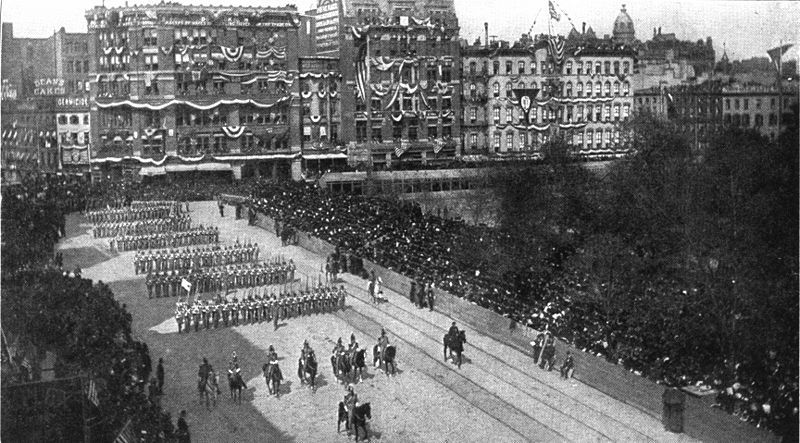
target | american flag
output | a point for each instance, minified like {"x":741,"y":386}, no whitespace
{"x":91,"y":393}
{"x":126,"y":434}
{"x":553,"y":13}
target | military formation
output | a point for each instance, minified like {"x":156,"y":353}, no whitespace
{"x":140,"y":227}
{"x":192,"y":258}
{"x":194,"y":236}
{"x":224,"y":278}
{"x":132,"y":214}
{"x":208,"y":314}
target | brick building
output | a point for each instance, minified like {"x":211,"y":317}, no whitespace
{"x":38,"y":74}
{"x":321,"y":114}
{"x":179,"y":88}
{"x":583,"y":98}
{"x":404,"y":60}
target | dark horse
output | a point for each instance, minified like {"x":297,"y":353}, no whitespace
{"x":236,"y":385}
{"x":341,"y":364}
{"x":307,"y":370}
{"x":273,"y":377}
{"x":455,"y":343}
{"x":361,"y":414}
{"x":388,"y":358}
{"x":358,"y":364}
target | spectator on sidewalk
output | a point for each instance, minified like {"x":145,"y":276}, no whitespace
{"x":568,"y":367}
{"x":160,"y":376}
{"x":221,"y":206}
{"x":183,"y":429}
{"x":430,"y":295}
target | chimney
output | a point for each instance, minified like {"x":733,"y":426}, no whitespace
{"x":654,"y":32}
{"x":659,"y":30}
{"x":486,"y":33}
{"x":583,"y":29}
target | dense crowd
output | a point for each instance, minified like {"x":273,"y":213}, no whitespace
{"x":429,"y":249}
{"x":47,"y":308}
{"x":188,"y":258}
{"x":222,"y":278}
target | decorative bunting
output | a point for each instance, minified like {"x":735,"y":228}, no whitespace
{"x":137,"y":105}
{"x":556,"y":49}
{"x":438,"y":145}
{"x":232,"y":54}
{"x":316,"y":118}
{"x":167,"y":49}
{"x":233,"y":131}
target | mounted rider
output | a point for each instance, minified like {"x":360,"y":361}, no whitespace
{"x":383,"y":342}
{"x":453,"y":331}
{"x":350,"y":403}
{"x":272,"y":356}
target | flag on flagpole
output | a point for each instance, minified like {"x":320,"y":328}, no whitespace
{"x":185,"y":284}
{"x":775,"y":54}
{"x":126,"y":434}
{"x":553,"y":13}
{"x":556,"y":47}
{"x":91,"y":393}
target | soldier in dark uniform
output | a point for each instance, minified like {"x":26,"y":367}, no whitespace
{"x":537,"y":347}
{"x":569,"y":364}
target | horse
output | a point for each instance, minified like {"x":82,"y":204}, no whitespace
{"x":307,"y":370}
{"x":211,"y":388}
{"x":236,"y":385}
{"x":361,"y":414}
{"x":388,"y":358}
{"x":341,"y":366}
{"x":454,"y":344}
{"x":273,"y":377}
{"x":358,"y":364}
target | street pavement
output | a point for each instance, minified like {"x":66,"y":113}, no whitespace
{"x":497,"y":395}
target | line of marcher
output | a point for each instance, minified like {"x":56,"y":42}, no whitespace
{"x":194,"y":236}
{"x":140,"y":227}
{"x":168,"y":283}
{"x":190,"y":258}
{"x":208,"y":314}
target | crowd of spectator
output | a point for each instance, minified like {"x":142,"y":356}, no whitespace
{"x":46,"y":309}
{"x":400,"y":237}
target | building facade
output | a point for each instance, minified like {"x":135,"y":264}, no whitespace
{"x":400,"y":63}
{"x":583,"y":99}
{"x":185,"y":88}
{"x":321,"y":114}
{"x":38,"y":75}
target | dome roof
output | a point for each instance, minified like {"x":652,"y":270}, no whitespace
{"x":623,"y":24}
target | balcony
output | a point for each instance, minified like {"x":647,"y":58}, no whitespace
{"x":479,"y":98}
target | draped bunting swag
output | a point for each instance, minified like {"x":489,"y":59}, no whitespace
{"x":233,"y":131}
{"x":201,"y":107}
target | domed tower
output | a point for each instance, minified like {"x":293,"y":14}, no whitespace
{"x":623,"y":28}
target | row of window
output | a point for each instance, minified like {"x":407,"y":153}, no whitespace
{"x":73,"y":119}
{"x":598,"y":89}
{"x":580,"y":67}
{"x":599,"y":138}
{"x":565,"y":113}
{"x":409,"y":129}
{"x":413,"y":103}
{"x":744,"y":120}
{"x":76,"y":66}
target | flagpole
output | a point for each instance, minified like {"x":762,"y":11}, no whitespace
{"x":368,"y":107}
{"x":780,"y":88}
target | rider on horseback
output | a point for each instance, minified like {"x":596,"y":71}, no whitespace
{"x":350,"y":403}
{"x":453,"y":331}
{"x":383,"y":342}
{"x":353,"y":346}
{"x":306,"y":351}
{"x":272,"y":356}
{"x":339,"y":348}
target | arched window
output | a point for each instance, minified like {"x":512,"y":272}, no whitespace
{"x":626,"y":88}
{"x":626,"y":67}
{"x":616,"y":88}
{"x":588,"y":89}
{"x":569,"y":89}
{"x":74,"y":120}
{"x":569,"y":67}
{"x":607,"y":90}
{"x":472,"y":66}
{"x":580,"y":89}
{"x":509,"y":94}
{"x":496,"y":89}
{"x":521,"y":85}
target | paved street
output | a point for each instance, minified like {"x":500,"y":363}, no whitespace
{"x":497,"y":395}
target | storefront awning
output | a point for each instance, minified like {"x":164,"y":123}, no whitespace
{"x":330,"y":156}
{"x":199,"y":167}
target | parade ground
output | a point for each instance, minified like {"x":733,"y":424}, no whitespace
{"x":498,"y":395}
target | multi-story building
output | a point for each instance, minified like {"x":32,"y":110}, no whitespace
{"x":758,"y":107}
{"x":180,"y":88}
{"x":321,"y":114}
{"x":400,"y":63}
{"x":582,"y":99}
{"x":38,"y":74}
